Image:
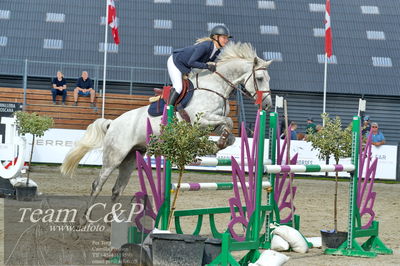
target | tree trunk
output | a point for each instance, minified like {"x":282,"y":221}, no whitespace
{"x":326,"y":162}
{"x":30,"y":159}
{"x":335,"y":200}
{"x":178,"y":187}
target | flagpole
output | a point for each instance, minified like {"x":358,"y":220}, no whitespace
{"x":105,"y":62}
{"x":325,"y":82}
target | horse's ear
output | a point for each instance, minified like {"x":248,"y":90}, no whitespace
{"x":268,"y":63}
{"x":255,"y":61}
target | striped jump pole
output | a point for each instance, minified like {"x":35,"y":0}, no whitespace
{"x":212,"y":161}
{"x":275,"y":169}
{"x":212,"y":186}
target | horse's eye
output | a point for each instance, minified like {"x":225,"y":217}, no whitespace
{"x":259,"y":79}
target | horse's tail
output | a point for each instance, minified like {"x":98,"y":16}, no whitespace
{"x":92,"y":139}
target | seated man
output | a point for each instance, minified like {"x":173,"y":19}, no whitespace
{"x":84,"y":87}
{"x":59,"y":87}
{"x":377,"y":137}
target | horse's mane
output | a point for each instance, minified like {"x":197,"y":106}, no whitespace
{"x":232,"y":51}
{"x":237,"y":50}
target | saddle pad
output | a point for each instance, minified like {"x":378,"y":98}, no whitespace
{"x":156,"y":108}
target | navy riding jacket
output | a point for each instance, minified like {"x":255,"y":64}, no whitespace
{"x":194,"y":56}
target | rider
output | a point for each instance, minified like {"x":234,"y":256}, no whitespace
{"x":200,"y":55}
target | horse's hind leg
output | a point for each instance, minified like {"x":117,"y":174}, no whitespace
{"x":98,"y":183}
{"x":224,"y":126}
{"x":125,"y":171}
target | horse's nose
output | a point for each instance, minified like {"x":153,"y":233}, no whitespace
{"x":268,"y":103}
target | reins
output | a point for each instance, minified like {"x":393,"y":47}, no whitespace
{"x":242,"y":91}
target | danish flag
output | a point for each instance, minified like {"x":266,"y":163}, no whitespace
{"x":112,"y":20}
{"x":328,"y":31}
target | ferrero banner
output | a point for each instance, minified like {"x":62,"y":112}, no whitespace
{"x":55,"y":144}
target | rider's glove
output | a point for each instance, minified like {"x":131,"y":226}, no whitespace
{"x":212,"y":66}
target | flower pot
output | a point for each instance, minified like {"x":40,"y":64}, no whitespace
{"x":212,"y":248}
{"x":26,"y":193}
{"x":332,"y":239}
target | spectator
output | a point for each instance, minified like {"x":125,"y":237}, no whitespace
{"x":84,"y":87}
{"x":366,"y":126}
{"x":318,"y":127}
{"x":59,"y":87}
{"x":293,"y":133}
{"x":311,"y":128}
{"x":377,"y":137}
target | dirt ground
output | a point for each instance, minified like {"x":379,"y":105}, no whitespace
{"x":314,"y":204}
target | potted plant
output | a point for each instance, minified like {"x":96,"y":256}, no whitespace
{"x":31,"y":123}
{"x":332,"y":140}
{"x":181,"y":143}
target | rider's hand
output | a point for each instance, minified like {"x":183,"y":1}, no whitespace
{"x":212,"y":66}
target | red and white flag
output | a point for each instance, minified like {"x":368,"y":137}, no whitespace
{"x":328,"y":31}
{"x":113,"y":20}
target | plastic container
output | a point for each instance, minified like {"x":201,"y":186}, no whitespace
{"x":135,"y":255}
{"x":332,"y":239}
{"x":26,"y":193}
{"x":176,"y":249}
{"x":212,"y":248}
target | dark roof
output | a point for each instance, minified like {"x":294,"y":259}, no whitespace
{"x":81,"y":34}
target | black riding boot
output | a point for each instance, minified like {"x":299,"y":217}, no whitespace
{"x":173,"y":97}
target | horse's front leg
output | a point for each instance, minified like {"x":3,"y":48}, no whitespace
{"x":223,"y":126}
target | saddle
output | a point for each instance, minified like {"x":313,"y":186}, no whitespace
{"x":158,"y":101}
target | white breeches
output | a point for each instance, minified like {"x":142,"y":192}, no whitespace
{"x":175,"y":75}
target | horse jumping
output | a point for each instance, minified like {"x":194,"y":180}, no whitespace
{"x":238,"y":68}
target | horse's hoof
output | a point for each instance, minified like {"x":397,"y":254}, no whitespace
{"x":231,"y":139}
{"x":221,"y":144}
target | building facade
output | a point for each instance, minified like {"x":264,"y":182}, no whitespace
{"x":43,"y":36}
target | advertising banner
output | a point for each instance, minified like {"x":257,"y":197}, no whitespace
{"x":55,"y":144}
{"x":6,"y":110}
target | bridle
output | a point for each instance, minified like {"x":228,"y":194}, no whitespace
{"x":253,"y":74}
{"x":241,"y":89}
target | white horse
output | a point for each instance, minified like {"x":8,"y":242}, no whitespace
{"x":237,"y":66}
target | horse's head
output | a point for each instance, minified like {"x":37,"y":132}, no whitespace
{"x":256,"y":84}
{"x":247,"y":71}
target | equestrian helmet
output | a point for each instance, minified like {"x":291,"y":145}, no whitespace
{"x":220,"y":30}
